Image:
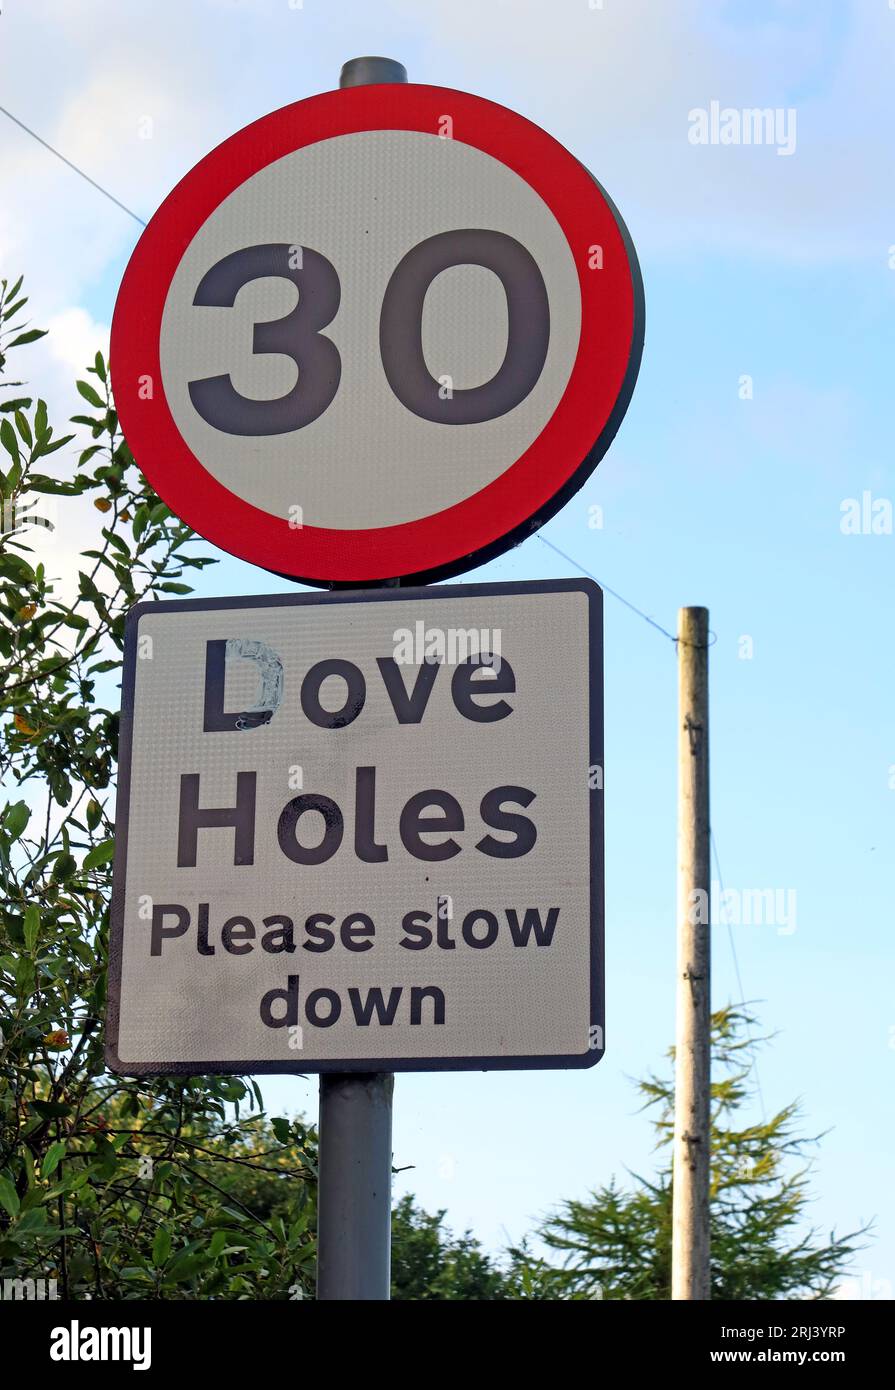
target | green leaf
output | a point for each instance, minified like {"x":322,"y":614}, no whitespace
{"x":47,"y":448}
{"x":50,"y":1109}
{"x":52,"y":1158}
{"x":120,"y":545}
{"x":218,"y":1243}
{"x":24,"y":428}
{"x":16,"y":818}
{"x":16,"y":566}
{"x":36,"y":1221}
{"x":14,"y":477}
{"x":32,"y":926}
{"x":30,"y":337}
{"x":63,"y":868}
{"x":87,"y":391}
{"x":280,"y":1127}
{"x":100,"y":854}
{"x":73,"y":1181}
{"x":8,"y":440}
{"x":9,"y":1198}
{"x":40,"y":482}
{"x":15,"y":927}
{"x":23,"y":971}
{"x":185,"y":1266}
{"x":161,"y":1247}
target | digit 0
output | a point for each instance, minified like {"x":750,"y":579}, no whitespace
{"x":401,"y":327}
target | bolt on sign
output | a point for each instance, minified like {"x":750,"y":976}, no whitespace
{"x":383,"y":333}
{"x":361,"y":831}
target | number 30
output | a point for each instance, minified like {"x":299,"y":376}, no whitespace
{"x":298,"y":335}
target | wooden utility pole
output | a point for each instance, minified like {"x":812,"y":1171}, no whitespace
{"x":692,"y":1092}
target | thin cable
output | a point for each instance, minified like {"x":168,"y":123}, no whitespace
{"x":739,"y":980}
{"x":665,"y":633}
{"x":98,"y":186}
{"x":645,"y":616}
{"x":567,"y":558}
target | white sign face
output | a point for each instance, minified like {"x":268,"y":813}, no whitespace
{"x":361,"y":832}
{"x":410,"y":185}
{"x":382,"y":333}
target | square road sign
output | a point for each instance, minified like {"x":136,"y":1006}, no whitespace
{"x":361,"y":831}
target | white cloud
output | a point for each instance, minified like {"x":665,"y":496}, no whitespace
{"x":75,"y":338}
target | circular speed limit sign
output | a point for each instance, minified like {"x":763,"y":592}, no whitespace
{"x":383,"y":333}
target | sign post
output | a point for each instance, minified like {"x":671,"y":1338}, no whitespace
{"x":354,"y":1208}
{"x":370,"y":341}
{"x":354,"y":1198}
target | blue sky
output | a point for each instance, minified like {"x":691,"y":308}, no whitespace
{"x":757,"y":264}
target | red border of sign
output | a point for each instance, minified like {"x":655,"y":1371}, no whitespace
{"x":512,"y":506}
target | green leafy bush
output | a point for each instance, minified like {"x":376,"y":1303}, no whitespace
{"x":115,"y":1188}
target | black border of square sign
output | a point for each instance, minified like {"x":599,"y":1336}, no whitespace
{"x":303,"y":1066}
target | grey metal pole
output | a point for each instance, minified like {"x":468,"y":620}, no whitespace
{"x":354,"y":1197}
{"x":690,"y":1270}
{"x":359,"y":72}
{"x":354,"y":1200}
